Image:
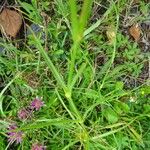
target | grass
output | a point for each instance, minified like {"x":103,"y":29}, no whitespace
{"x":82,"y":74}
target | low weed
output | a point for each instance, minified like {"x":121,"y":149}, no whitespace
{"x":67,"y":86}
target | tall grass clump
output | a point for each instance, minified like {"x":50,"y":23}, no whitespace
{"x":58,"y":96}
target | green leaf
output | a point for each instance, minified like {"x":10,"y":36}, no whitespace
{"x":2,"y":145}
{"x":111,"y":115}
{"x":124,"y":107}
{"x":92,"y":94}
{"x":146,"y":108}
{"x":119,"y":86}
{"x":145,"y":90}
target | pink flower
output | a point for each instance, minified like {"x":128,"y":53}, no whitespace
{"x":37,"y":103}
{"x":14,"y":136}
{"x":37,"y":146}
{"x":23,"y":114}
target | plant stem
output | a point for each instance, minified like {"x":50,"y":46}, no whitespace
{"x":72,"y":62}
{"x":74,"y":109}
{"x":86,"y":9}
{"x":74,"y":18}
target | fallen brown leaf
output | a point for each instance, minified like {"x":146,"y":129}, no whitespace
{"x":135,"y":32}
{"x":10,"y":22}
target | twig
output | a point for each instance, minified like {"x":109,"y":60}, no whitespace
{"x":3,"y":5}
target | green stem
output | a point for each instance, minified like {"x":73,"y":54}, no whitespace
{"x":75,"y":110}
{"x":3,"y":91}
{"x":61,"y":100}
{"x":86,"y":9}
{"x":72,"y":62}
{"x":78,"y":26}
{"x":113,"y":55}
{"x":51,"y":66}
{"x":74,"y":18}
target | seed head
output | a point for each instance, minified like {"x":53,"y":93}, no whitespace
{"x":14,"y":136}
{"x":37,"y":146}
{"x":23,"y":114}
{"x":37,"y":103}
